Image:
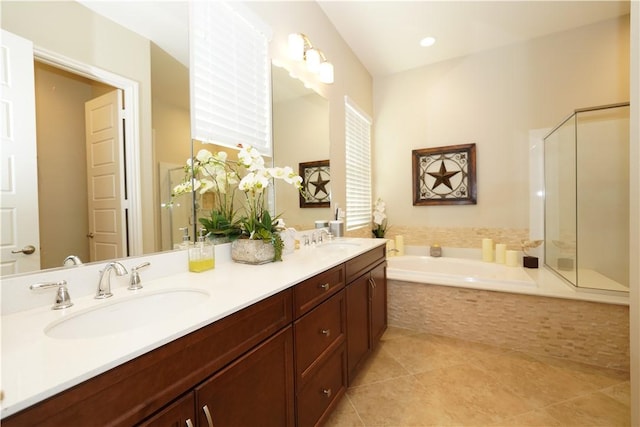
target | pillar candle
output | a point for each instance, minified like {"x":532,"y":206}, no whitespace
{"x":400,"y":245}
{"x":391,"y":245}
{"x":512,"y":258}
{"x":501,"y":253}
{"x":487,"y":250}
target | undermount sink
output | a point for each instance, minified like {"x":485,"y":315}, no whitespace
{"x":126,"y":314}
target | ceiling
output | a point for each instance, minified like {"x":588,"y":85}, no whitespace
{"x":384,"y":34}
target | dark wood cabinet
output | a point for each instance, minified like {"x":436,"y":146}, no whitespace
{"x":320,"y":355}
{"x":378,"y":300}
{"x":255,"y":390}
{"x":321,"y":393}
{"x":180,"y":413}
{"x":366,"y":294}
{"x":308,"y":294}
{"x":130,"y":393}
{"x":284,"y":361}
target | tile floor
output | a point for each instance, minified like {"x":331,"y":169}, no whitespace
{"x":417,"y":379}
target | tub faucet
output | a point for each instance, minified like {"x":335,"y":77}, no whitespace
{"x":104,"y":285}
{"x":435,"y":250}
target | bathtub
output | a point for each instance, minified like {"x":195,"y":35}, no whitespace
{"x":457,"y":272}
{"x":529,"y":310}
{"x":475,"y":274}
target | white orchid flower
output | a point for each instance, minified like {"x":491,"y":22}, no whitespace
{"x":250,"y":158}
{"x":205,"y":185}
{"x":203,"y":156}
{"x":378,"y":217}
{"x":380,"y":205}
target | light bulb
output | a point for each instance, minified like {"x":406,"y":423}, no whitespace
{"x":312,"y":56}
{"x":296,"y":47}
{"x":326,"y":72}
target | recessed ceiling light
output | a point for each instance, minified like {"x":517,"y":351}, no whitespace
{"x":427,"y":41}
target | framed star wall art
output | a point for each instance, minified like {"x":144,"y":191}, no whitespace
{"x":316,"y":184}
{"x":444,"y":175}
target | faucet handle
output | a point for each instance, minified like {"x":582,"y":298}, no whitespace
{"x":134,"y":281}
{"x":63,"y":299}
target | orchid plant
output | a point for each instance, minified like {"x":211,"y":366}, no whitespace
{"x":215,"y":173}
{"x":379,"y":219}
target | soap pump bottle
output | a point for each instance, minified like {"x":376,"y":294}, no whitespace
{"x":186,"y":239}
{"x":201,"y":254}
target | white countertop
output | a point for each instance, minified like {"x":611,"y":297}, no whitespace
{"x":36,"y":366}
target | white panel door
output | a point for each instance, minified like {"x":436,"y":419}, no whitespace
{"x":107,"y":216}
{"x":19,"y":176}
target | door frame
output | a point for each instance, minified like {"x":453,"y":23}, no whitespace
{"x":131,"y":168}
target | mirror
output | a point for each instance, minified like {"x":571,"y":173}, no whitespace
{"x":164,"y":116}
{"x":300,"y":135}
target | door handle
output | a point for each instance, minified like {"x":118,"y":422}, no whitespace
{"x":90,"y":235}
{"x":27,"y":250}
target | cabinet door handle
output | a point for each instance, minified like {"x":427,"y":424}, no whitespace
{"x":372,"y":283}
{"x":324,"y":286}
{"x":189,"y":422}
{"x":327,"y":392}
{"x":325,"y":332}
{"x":207,"y":414}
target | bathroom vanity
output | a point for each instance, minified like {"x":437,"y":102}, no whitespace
{"x":283,"y":357}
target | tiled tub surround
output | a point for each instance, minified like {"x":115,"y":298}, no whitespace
{"x":459,"y":237}
{"x":549,"y":319}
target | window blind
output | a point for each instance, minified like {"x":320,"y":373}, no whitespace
{"x":230,"y":77}
{"x":358,"y":165}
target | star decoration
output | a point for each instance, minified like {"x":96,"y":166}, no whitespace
{"x":320,"y":184}
{"x":443,"y":177}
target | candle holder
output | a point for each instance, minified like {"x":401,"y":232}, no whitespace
{"x":529,"y":261}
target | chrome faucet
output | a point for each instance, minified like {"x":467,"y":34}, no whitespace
{"x":72,"y":260}
{"x":322,"y":234}
{"x":104,"y":285}
{"x":63,"y":299}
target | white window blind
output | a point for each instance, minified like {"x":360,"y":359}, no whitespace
{"x":358,"y":164}
{"x":230,"y":76}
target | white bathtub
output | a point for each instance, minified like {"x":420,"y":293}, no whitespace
{"x":475,"y":274}
{"x":457,"y":272}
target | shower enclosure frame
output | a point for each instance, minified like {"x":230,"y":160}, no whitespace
{"x":584,"y":222}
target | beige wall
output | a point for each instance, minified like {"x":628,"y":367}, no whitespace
{"x":493,"y":99}
{"x":301,"y":129}
{"x":351,"y":78}
{"x":171,"y":118}
{"x":69,"y":29}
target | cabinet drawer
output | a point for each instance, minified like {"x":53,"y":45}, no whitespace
{"x":318,"y":332}
{"x":313,"y":291}
{"x":321,"y":394}
{"x":361,"y":264}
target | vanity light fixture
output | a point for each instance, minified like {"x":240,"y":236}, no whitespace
{"x":301,"y":49}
